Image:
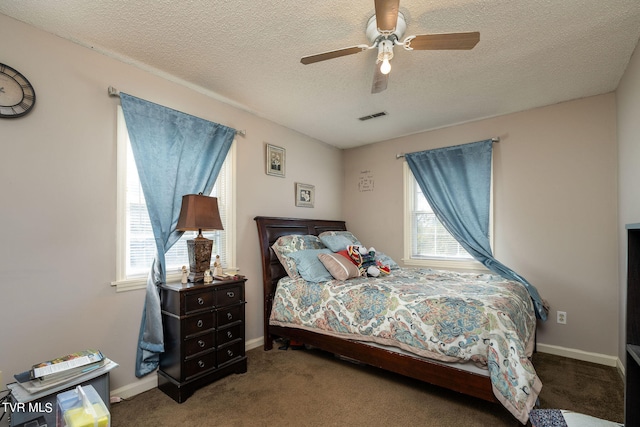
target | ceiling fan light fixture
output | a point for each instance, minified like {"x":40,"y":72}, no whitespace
{"x":385,"y":67}
{"x":384,"y":30}
{"x":385,"y":53}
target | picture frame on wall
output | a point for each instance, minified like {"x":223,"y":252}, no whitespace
{"x":275,"y":160}
{"x":305,"y":195}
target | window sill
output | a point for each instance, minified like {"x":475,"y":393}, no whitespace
{"x":141,"y":283}
{"x":445,"y":265}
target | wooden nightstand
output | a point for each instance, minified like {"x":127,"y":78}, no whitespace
{"x":203,"y":335}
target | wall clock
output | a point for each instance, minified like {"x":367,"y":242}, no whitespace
{"x":17,"y":96}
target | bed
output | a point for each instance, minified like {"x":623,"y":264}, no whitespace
{"x":514,"y":375}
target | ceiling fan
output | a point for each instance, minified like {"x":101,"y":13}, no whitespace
{"x":384,"y":31}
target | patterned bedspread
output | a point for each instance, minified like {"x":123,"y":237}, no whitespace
{"x":452,"y":317}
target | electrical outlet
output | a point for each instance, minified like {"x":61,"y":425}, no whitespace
{"x":562,"y":317}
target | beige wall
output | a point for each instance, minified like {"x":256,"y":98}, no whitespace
{"x":555,"y":208}
{"x":58,"y":187}
{"x":628,"y":101}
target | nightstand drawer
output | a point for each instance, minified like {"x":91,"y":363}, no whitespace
{"x":228,"y":315}
{"x":199,"y":364}
{"x":230,"y":352}
{"x":197,"y":344}
{"x":203,"y":330}
{"x":198,"y":301}
{"x":198,"y":323}
{"x":228,"y":296}
{"x":230,"y":334}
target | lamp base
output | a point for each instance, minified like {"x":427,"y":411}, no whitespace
{"x":199,"y":258}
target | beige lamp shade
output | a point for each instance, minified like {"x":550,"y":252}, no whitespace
{"x":199,"y":213}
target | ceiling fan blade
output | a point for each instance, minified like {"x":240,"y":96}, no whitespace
{"x":387,"y":15}
{"x":379,"y":80}
{"x":333,"y":54}
{"x":461,"y":41}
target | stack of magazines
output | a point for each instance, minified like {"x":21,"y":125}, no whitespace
{"x":67,"y":366}
{"x":63,"y":369}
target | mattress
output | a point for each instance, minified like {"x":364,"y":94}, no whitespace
{"x":475,"y":320}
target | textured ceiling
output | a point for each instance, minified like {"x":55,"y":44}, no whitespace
{"x":531,"y":53}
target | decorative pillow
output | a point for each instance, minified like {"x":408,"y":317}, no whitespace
{"x":339,"y":266}
{"x":345,"y":253}
{"x":309,"y":266}
{"x":386,"y":260}
{"x":338,"y":240}
{"x":286,"y":245}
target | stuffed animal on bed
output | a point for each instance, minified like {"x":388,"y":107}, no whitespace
{"x":365,"y":260}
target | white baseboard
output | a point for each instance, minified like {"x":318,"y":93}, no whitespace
{"x":601,"y":359}
{"x":254,"y":343}
{"x":145,"y":384}
{"x":151,"y":381}
{"x":620,"y":367}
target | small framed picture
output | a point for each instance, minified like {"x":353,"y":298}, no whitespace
{"x":305,"y":195}
{"x":275,"y":160}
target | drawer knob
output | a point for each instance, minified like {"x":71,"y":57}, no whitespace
{"x":230,"y":353}
{"x":201,"y":363}
{"x":201,"y":343}
{"x":229,"y":316}
{"x":200,"y":323}
{"x":200,"y":301}
{"x":230,"y":294}
{"x":229,"y":334}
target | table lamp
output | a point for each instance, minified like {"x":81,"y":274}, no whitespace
{"x":199,"y":213}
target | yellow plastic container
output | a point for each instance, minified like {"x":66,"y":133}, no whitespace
{"x":82,"y":407}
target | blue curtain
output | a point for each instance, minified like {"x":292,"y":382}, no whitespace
{"x":457,"y":184}
{"x":176,"y":154}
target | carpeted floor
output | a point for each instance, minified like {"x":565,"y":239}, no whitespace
{"x":311,"y":388}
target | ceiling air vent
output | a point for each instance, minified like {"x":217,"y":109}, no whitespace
{"x":373,"y":116}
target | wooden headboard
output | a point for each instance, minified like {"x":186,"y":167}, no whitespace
{"x":269,"y":230}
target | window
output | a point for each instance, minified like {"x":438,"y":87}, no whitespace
{"x":135,"y":242}
{"x":427,"y":242}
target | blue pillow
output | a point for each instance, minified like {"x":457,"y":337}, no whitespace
{"x":338,"y":240}
{"x":288,"y":244}
{"x":309,"y":266}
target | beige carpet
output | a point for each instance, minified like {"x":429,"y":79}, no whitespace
{"x":310,"y":388}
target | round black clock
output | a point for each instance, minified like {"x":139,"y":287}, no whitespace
{"x":17,"y":96}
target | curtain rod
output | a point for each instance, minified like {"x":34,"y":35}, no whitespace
{"x":112,"y":91}
{"x":495,"y":139}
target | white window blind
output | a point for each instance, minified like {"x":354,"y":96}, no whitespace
{"x":429,"y":238}
{"x":426,"y":242}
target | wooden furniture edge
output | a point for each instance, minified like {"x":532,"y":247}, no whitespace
{"x":450,"y":377}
